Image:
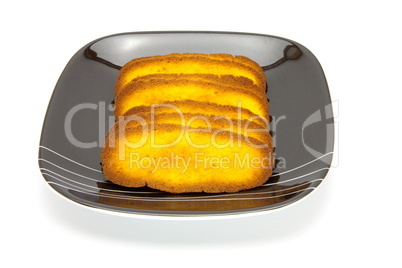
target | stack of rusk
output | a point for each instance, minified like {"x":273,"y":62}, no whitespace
{"x":190,"y":123}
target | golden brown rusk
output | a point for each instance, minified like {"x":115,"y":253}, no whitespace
{"x":190,"y":123}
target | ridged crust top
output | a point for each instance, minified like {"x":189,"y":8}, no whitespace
{"x":207,"y":108}
{"x":228,"y":80}
{"x":139,"y":93}
{"x":191,"y":63}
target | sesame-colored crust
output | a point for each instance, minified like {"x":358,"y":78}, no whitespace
{"x":138,"y":93}
{"x":192,"y":63}
{"x":197,"y":177}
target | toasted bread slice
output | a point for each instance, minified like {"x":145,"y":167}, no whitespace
{"x":228,"y":80}
{"x":139,"y":93}
{"x":175,"y":159}
{"x":189,"y":64}
{"x":206,"y":108}
{"x":199,"y":121}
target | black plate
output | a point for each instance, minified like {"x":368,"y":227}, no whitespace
{"x":80,"y":113}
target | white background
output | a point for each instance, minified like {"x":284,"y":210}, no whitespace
{"x":353,"y":218}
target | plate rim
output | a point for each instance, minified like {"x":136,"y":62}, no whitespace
{"x":184,"y":217}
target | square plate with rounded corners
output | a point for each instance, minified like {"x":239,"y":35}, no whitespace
{"x":80,"y":113}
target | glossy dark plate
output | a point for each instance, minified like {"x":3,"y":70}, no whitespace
{"x":300,"y":104}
